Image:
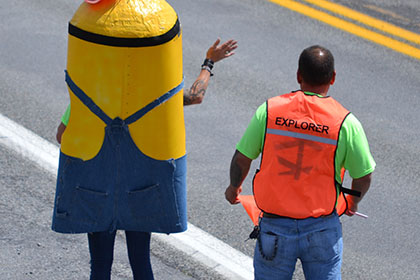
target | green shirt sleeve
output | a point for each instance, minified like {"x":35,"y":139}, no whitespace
{"x":66,"y":116}
{"x":252,"y":141}
{"x":353,"y":151}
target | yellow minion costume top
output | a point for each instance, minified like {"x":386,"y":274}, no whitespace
{"x":122,"y":161}
{"x":124,"y":55}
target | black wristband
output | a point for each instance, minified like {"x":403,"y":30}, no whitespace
{"x":208,"y":62}
{"x":205,"y":67}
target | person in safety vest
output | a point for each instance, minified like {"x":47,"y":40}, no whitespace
{"x":122,"y":156}
{"x":306,"y":139}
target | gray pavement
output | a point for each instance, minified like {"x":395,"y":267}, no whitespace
{"x":30,"y":250}
{"x":377,"y":84}
{"x":402,"y":13}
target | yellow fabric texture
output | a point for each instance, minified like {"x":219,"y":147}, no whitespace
{"x":122,"y":80}
{"x":126,"y":18}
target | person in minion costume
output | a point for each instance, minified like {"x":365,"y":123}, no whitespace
{"x":122,"y":158}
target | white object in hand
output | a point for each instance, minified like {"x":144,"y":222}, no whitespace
{"x":359,"y":214}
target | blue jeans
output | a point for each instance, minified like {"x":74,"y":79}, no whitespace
{"x":317,"y":242}
{"x":101,"y":248}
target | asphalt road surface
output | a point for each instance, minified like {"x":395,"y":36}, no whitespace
{"x":379,"y":85}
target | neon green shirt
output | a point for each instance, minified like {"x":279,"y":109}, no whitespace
{"x":352,"y":148}
{"x":66,"y":116}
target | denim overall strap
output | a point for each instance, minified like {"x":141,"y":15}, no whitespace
{"x":163,"y":98}
{"x":87,"y":100}
{"x":131,"y":119}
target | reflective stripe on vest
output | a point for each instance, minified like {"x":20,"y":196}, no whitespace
{"x":297,"y":172}
{"x":302,"y":136}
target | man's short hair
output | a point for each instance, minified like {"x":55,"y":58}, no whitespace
{"x":316,"y":65}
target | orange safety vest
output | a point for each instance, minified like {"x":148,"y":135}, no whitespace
{"x":296,"y":178}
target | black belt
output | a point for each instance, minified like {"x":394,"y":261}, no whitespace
{"x":274,"y":216}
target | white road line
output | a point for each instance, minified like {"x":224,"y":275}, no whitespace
{"x":198,"y":244}
{"x":28,"y":144}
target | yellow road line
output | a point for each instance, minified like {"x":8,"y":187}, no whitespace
{"x":350,"y":27}
{"x":367,"y":20}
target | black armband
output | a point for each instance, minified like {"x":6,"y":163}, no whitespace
{"x":206,"y":67}
{"x":209,"y":63}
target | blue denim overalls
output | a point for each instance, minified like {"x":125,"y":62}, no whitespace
{"x":120,"y":188}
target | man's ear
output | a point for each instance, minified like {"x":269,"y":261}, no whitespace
{"x":332,"y":79}
{"x":298,"y":77}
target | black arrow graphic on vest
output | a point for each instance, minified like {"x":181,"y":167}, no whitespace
{"x":296,"y":168}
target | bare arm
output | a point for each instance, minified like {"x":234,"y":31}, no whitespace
{"x":239,"y":169}
{"x":362,"y":185}
{"x":215,"y":53}
{"x":60,"y":131}
{"x":195,"y":94}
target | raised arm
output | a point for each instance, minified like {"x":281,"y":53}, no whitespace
{"x":214,"y":54}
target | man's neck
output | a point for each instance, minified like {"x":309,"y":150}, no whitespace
{"x":321,"y":90}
